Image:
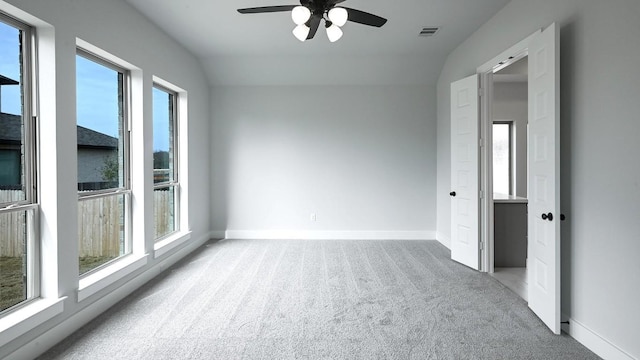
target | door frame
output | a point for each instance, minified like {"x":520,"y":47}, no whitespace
{"x":485,"y":72}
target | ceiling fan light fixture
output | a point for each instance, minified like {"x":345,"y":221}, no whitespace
{"x":334,"y":33}
{"x":301,"y":32}
{"x":300,"y":15}
{"x":310,"y":13}
{"x":338,"y":16}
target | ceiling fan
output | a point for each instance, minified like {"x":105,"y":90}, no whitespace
{"x":308,"y":15}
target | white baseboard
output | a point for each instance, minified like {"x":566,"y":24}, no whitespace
{"x":329,"y":235}
{"x":217,"y":234}
{"x":444,"y":240}
{"x":49,"y":338}
{"x":594,"y":342}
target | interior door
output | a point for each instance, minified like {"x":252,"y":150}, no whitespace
{"x":544,"y":178}
{"x":464,"y":172}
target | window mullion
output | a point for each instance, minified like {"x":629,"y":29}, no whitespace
{"x":165,"y":185}
{"x":18,"y":207}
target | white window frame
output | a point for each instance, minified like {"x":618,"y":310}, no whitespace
{"x":30,"y":204}
{"x":166,"y":244}
{"x":23,"y":318}
{"x":125,"y":188}
{"x":511,"y":160}
{"x":93,"y":282}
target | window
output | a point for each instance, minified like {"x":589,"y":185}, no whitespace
{"x":104,"y":191}
{"x":502,"y":158}
{"x":19,"y":261}
{"x":165,"y":169}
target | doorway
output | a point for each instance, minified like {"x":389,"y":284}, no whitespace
{"x":508,"y":125}
{"x":472,"y":202}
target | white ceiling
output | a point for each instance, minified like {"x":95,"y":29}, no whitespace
{"x":259,"y":49}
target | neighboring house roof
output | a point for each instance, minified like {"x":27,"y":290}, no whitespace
{"x":6,"y":81}
{"x":94,"y":139}
{"x":11,"y":133}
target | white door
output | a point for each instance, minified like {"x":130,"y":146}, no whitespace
{"x":464,"y":172}
{"x":544,"y":178}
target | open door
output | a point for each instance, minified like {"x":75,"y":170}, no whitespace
{"x":544,"y":178}
{"x":464,"y":172}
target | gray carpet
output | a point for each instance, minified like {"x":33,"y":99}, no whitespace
{"x":241,"y":299}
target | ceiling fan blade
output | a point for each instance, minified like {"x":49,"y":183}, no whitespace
{"x":266,"y":9}
{"x":365,"y":18}
{"x":314,"y":23}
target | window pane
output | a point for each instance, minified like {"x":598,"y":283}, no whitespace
{"x":164,"y":205}
{"x":101,"y":231}
{"x":100,"y":116}
{"x":501,"y":159}
{"x":163,"y":136}
{"x":12,"y":165}
{"x":13,"y":258}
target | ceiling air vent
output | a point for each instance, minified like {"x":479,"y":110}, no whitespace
{"x":429,"y":31}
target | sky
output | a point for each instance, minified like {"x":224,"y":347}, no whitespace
{"x":9,"y":67}
{"x":96,"y":91}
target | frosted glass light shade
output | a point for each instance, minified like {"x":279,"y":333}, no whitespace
{"x":300,"y":15}
{"x":301,"y":32}
{"x":338,"y":16}
{"x":334,"y":33}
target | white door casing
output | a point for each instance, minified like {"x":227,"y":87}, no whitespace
{"x":544,"y":178}
{"x":464,"y":172}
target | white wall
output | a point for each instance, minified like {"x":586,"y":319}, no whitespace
{"x":510,"y":103}
{"x":117,"y":28}
{"x":600,"y":151}
{"x":362,"y":158}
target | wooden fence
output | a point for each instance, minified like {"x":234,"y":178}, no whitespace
{"x":12,"y":226}
{"x":100,"y":224}
{"x":163,"y":212}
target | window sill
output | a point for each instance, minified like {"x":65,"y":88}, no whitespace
{"x":164,"y":246}
{"x":21,"y":321}
{"x":91,"y":284}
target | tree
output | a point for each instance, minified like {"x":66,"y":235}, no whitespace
{"x":110,"y":168}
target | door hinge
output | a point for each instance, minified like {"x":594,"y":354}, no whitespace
{"x":481,"y":142}
{"x":481,"y":91}
{"x":481,"y":245}
{"x":481,"y":194}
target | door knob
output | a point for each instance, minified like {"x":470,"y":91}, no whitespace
{"x":453,"y":193}
{"x":548,"y":216}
